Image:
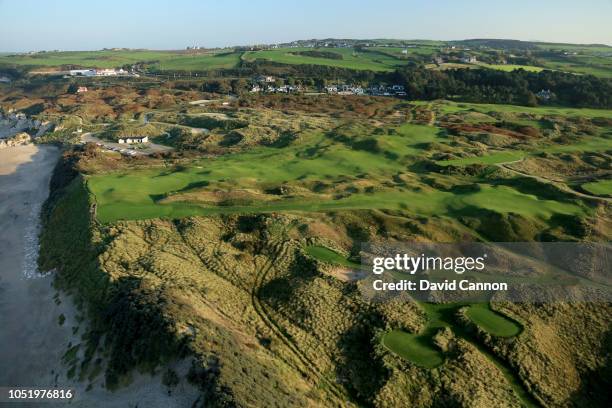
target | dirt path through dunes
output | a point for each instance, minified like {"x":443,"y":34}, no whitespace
{"x":32,"y":340}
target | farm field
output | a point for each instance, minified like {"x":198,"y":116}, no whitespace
{"x":510,"y":67}
{"x":198,"y":62}
{"x":93,"y":59}
{"x":350,"y":58}
{"x":169,"y":60}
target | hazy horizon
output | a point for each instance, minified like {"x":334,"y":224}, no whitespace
{"x":71,"y":25}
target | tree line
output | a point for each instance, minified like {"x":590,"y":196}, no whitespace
{"x":515,"y":87}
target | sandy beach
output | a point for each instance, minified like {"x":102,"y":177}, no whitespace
{"x":32,"y":340}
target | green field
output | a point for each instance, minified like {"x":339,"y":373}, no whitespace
{"x":510,"y":67}
{"x":198,"y":62}
{"x":169,"y":60}
{"x":93,"y":59}
{"x":492,"y":322}
{"x":601,"y":187}
{"x":412,"y":347}
{"x":351,"y":59}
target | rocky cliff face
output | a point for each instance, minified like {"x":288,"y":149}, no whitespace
{"x":13,"y":123}
{"x":16,"y":140}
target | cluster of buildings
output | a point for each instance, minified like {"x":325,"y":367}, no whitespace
{"x":133,"y":139}
{"x":466,"y":59}
{"x":105,"y":72}
{"x":376,"y":90}
{"x":275,"y":89}
{"x":269,"y":84}
{"x":545,"y":95}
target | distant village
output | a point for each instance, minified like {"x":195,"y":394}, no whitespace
{"x":268,"y":84}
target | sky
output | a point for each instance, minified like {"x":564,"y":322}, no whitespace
{"x":32,"y":25}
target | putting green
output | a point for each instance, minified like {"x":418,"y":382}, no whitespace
{"x":327,"y":255}
{"x":412,"y":347}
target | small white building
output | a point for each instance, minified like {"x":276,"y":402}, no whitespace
{"x":106,"y":72}
{"x":82,"y":72}
{"x":133,"y":139}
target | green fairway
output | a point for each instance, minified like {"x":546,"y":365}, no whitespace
{"x":351,"y":59}
{"x":601,"y":187}
{"x":445,"y":107}
{"x":506,"y":199}
{"x":412,"y":347}
{"x":187,"y":190}
{"x":492,"y":322}
{"x":327,"y":255}
{"x":493,"y":158}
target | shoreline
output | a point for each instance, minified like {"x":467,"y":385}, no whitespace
{"x":41,"y":326}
